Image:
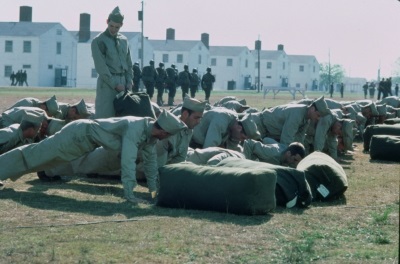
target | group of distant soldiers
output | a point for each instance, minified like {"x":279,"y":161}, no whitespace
{"x":168,"y":80}
{"x":384,"y":89}
{"x":19,"y":79}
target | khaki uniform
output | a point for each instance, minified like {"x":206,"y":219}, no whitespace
{"x":174,"y":148}
{"x":213,"y":130}
{"x":113,"y":63}
{"x":16,"y":114}
{"x":211,"y":155}
{"x":270,"y":153}
{"x":51,"y":104}
{"x":286,"y":123}
{"x":126,"y":134}
{"x":11,"y":137}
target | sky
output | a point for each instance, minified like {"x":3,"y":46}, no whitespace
{"x":361,"y":35}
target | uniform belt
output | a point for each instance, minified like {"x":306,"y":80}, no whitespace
{"x":118,"y":74}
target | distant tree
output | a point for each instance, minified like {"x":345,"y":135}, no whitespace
{"x":334,"y":75}
{"x":396,"y":72}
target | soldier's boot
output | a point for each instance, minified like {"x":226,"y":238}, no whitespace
{"x":171,"y":101}
{"x":160,"y":101}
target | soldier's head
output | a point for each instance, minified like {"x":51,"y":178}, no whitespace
{"x":30,"y":125}
{"x":167,"y":124}
{"x":369,"y":111}
{"x":115,"y":21}
{"x":192,"y":112}
{"x":151,"y":62}
{"x":161,"y":65}
{"x":293,"y":154}
{"x":173,"y":66}
{"x":336,"y":128}
{"x":185,"y":67}
{"x":194,"y":70}
{"x":136,"y":63}
{"x":77,"y":111}
{"x":318,"y":109}
{"x":208,"y":69}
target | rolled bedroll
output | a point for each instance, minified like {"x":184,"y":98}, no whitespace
{"x":384,"y":147}
{"x":392,"y":130}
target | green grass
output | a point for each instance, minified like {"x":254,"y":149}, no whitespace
{"x":85,"y":220}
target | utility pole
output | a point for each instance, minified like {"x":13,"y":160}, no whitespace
{"x":329,"y":68}
{"x":140,"y":17}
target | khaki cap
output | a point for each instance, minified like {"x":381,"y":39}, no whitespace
{"x":52,"y":106}
{"x":170,"y":123}
{"x":34,"y":119}
{"x":250,"y":127}
{"x":374,"y":111}
{"x":194,"y":104}
{"x":116,"y":16}
{"x":82,"y":109}
{"x":321,"y":106}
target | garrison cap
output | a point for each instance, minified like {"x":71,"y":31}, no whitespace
{"x":136,"y":63}
{"x":156,"y":108}
{"x":381,"y":109}
{"x":161,"y":64}
{"x":34,"y":119}
{"x":374,"y":111}
{"x":243,"y":101}
{"x":347,"y":133}
{"x":82,"y":109}
{"x":193,"y":104}
{"x":250,"y":127}
{"x":208,"y":69}
{"x":173,"y":65}
{"x":321,"y":106}
{"x":52,"y":106}
{"x":116,"y":16}
{"x":55,"y":125}
{"x":234,"y":105}
{"x":170,"y":123}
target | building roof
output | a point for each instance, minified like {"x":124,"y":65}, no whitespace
{"x":173,"y":45}
{"x":302,"y":58}
{"x":23,"y":29}
{"x":269,"y":54}
{"x":226,"y":50}
{"x":93,"y":34}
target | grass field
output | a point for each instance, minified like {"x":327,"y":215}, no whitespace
{"x":85,"y":220}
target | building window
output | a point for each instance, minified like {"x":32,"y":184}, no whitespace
{"x":246,"y":63}
{"x":58,"y":51}
{"x":59,"y":32}
{"x":165,"y":58}
{"x":313,"y":69}
{"x":7,"y":71}
{"x":26,"y":66}
{"x":229,"y":62}
{"x":283,"y":65}
{"x":50,"y":66}
{"x":213,"y":62}
{"x":269,"y":65}
{"x":27,"y":47}
{"x":268,"y":77}
{"x":199,"y":62}
{"x":297,"y":85}
{"x":199,"y":47}
{"x":301,"y":68}
{"x":9,"y":46}
{"x":140,"y":54}
{"x":256,"y":66}
{"x":179,"y":58}
{"x":94,"y":73}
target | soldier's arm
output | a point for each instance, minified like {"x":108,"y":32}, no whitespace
{"x":100,"y":65}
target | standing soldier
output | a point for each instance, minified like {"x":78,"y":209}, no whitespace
{"x":207,"y":83}
{"x":24,"y":78}
{"x":365,"y":88}
{"x":331,"y":89}
{"x":160,"y":83}
{"x":113,"y":63}
{"x":396,"y":89}
{"x":341,"y":90}
{"x":149,"y":77}
{"x":18,"y":78}
{"x":12,"y":78}
{"x":194,"y":83}
{"x":184,"y":80}
{"x":137,"y":74}
{"x":172,"y":77}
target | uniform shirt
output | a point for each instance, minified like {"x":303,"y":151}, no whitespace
{"x":29,"y":102}
{"x":211,"y":155}
{"x":111,"y":55}
{"x":213,"y":130}
{"x":288,"y":123}
{"x":174,"y":148}
{"x":270,"y":153}
{"x":207,"y":81}
{"x":11,"y":137}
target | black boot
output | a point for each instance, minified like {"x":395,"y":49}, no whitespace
{"x":44,"y":177}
